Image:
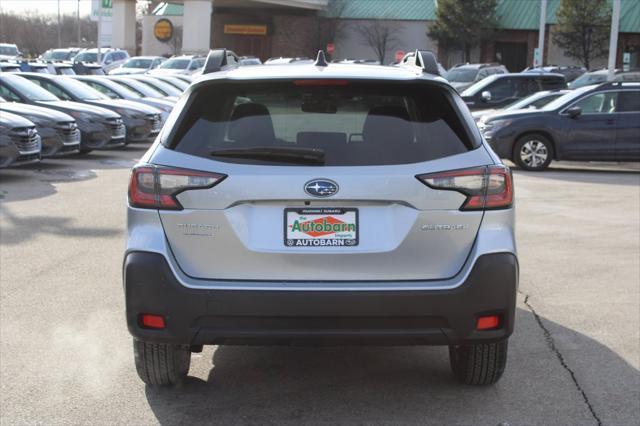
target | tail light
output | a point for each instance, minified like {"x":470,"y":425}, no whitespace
{"x":156,"y":187}
{"x":489,"y":187}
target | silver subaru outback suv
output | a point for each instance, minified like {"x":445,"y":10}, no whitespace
{"x":320,"y":204}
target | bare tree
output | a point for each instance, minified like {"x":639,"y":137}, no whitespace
{"x":34,"y":33}
{"x":176,"y":40}
{"x":330,"y":28}
{"x":380,"y":36}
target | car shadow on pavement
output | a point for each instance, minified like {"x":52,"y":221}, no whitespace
{"x":406,"y":385}
{"x":38,"y":180}
{"x":16,"y":229}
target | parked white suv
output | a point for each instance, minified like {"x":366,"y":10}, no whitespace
{"x":111,"y":58}
{"x":186,"y":64}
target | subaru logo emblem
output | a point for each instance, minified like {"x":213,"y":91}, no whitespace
{"x":321,"y":188}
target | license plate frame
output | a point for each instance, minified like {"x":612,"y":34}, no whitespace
{"x":337,"y":213}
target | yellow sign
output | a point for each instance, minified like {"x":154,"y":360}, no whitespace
{"x":245,"y":29}
{"x":163,"y":30}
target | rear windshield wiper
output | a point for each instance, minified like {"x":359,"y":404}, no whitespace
{"x":276,"y":153}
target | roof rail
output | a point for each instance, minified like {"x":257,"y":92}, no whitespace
{"x":620,"y":83}
{"x":217,"y":60}
{"x":609,"y":84}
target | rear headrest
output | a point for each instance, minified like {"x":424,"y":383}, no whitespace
{"x":321,"y":139}
{"x":251,"y":123}
{"x":391,"y":111}
{"x":248,"y":109}
{"x":382,"y":124}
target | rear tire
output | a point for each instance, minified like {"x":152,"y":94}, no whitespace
{"x":533,"y":152}
{"x":479,"y":364}
{"x":160,"y":364}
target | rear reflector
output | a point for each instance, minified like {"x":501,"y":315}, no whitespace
{"x":489,"y":322}
{"x":488,"y":187}
{"x":156,"y":187}
{"x":152,"y":321}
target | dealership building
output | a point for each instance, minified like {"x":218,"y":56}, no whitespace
{"x":272,"y":28}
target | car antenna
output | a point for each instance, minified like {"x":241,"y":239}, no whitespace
{"x":321,"y":61}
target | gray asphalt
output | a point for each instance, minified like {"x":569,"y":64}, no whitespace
{"x":66,"y":356}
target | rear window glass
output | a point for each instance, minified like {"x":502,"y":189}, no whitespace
{"x":352,"y":123}
{"x":629,"y":101}
{"x":550,"y":83}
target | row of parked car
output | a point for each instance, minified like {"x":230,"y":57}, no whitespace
{"x":45,"y":115}
{"x":463,"y":76}
{"x":553,"y":113}
{"x":530,"y":117}
{"x":592,"y":123}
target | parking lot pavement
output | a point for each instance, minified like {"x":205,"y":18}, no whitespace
{"x":66,"y":356}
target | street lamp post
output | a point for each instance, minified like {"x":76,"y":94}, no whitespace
{"x":59,"y":34}
{"x":539,"y":60}
{"x":99,"y":44}
{"x":78,"y":19}
{"x":613,"y":39}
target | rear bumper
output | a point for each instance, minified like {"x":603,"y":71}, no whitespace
{"x":430,"y":317}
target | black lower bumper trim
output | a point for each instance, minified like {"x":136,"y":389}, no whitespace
{"x":435,"y":317}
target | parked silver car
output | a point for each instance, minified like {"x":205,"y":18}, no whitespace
{"x":19,"y":140}
{"x":138,"y":65}
{"x":185,"y":64}
{"x":321,"y":203}
{"x":99,"y":128}
{"x":114,"y":90}
{"x":109,"y":58}
{"x":59,"y":133}
{"x":142,"y":122}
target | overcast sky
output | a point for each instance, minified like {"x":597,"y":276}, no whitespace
{"x":46,"y":6}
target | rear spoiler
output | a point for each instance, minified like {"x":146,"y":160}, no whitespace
{"x":217,"y":59}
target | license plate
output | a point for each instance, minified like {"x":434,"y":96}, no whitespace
{"x":320,"y":227}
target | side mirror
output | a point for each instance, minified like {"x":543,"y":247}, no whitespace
{"x":485,"y":96}
{"x":574,"y":111}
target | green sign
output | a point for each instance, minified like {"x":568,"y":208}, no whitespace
{"x":107,"y":4}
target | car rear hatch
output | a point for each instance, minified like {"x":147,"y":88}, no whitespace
{"x":318,"y":182}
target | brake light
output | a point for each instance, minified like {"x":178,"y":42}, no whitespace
{"x":321,"y":82}
{"x":489,"y":187}
{"x":156,"y":187}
